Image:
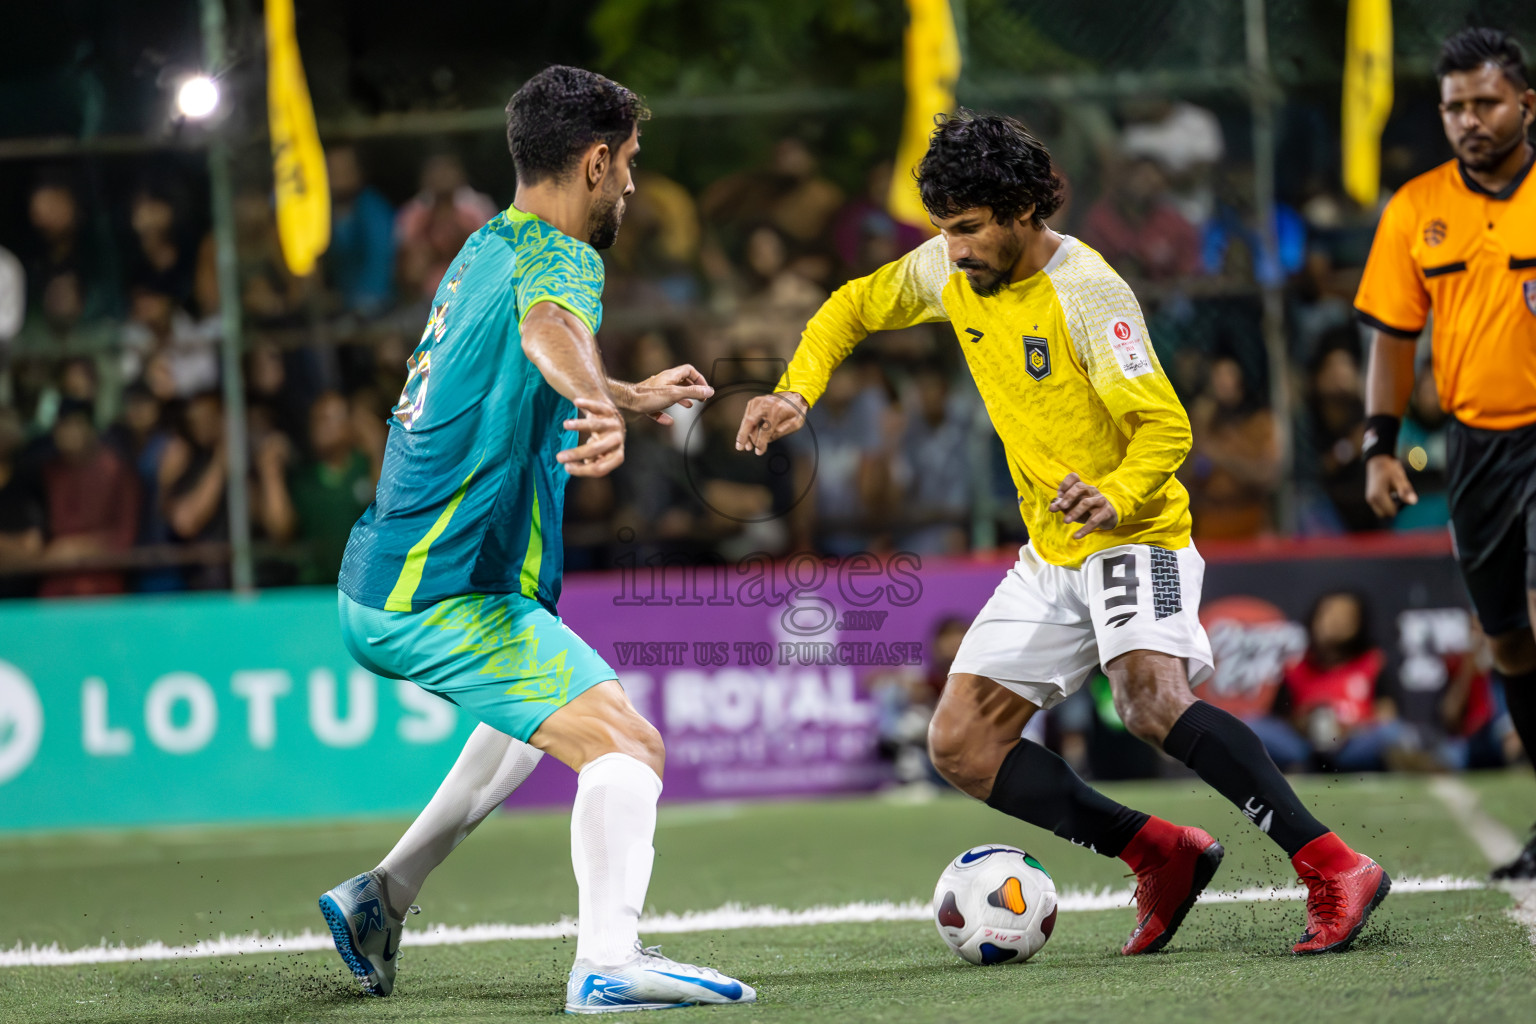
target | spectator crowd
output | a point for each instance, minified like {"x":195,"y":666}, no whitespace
{"x":114,"y":457}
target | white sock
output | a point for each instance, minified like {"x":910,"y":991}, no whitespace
{"x":491,"y":765}
{"x":612,"y":824}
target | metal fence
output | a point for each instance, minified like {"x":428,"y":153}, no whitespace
{"x":1222,"y":113}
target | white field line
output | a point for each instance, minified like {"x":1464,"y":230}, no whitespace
{"x":1524,"y":910}
{"x":1497,"y":843}
{"x":730,"y":917}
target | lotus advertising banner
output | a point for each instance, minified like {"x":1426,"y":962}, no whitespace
{"x":204,"y":708}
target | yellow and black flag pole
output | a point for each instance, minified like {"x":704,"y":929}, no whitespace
{"x":931,"y":60}
{"x":1367,"y":96}
{"x":298,"y":162}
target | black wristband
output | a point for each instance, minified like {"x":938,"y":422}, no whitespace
{"x":1380,"y":437}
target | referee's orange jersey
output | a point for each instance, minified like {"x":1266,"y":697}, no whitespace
{"x":1447,"y":245}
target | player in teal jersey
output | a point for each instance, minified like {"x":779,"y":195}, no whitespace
{"x":451,"y":576}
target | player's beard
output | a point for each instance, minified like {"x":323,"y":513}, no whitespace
{"x":1496,"y":153}
{"x":992,"y":279}
{"x":604,"y":221}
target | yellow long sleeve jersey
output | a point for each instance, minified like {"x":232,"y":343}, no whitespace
{"x":1066,"y":371}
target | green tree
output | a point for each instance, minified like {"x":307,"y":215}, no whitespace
{"x":699,"y":47}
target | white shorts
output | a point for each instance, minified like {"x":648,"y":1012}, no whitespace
{"x":1046,"y":629}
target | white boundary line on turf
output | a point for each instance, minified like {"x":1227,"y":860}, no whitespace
{"x":731,"y":917}
{"x":1497,"y":843}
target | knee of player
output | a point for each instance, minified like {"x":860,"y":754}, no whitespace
{"x":947,"y":748}
{"x":647,"y":744}
{"x":1143,"y":716}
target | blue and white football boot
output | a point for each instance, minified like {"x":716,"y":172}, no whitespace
{"x":649,"y":981}
{"x":367,"y":937}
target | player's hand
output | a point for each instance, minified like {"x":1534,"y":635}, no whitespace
{"x":1386,"y":486}
{"x":1082,"y":503}
{"x":681,"y":385}
{"x":768,"y":418}
{"x":603,"y":450}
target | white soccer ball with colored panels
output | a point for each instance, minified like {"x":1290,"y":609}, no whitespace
{"x":995,"y":905}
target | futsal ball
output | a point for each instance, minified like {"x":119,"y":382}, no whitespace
{"x":995,"y":905}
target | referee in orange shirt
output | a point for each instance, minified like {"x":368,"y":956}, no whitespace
{"x":1460,"y":241}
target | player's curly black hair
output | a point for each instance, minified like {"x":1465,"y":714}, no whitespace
{"x":1471,"y":48}
{"x":561,"y":111}
{"x":987,"y":160}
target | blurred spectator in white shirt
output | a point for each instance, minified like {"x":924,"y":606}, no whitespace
{"x":1186,"y":141}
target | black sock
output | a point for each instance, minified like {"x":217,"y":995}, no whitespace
{"x":1036,"y":786}
{"x":1229,"y":758}
{"x":1520,"y":695}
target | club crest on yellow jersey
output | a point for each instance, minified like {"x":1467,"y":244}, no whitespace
{"x":1037,"y":357}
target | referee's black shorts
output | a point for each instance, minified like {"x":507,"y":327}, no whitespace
{"x":1493,"y":519}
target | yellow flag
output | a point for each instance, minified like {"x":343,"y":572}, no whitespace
{"x":298,"y":162}
{"x":932,"y":67}
{"x":1367,"y":96}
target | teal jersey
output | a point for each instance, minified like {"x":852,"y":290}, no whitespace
{"x":471,"y":496}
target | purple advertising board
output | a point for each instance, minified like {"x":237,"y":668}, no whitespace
{"x":757,"y":673}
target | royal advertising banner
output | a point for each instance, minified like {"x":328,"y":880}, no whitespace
{"x":205,"y":708}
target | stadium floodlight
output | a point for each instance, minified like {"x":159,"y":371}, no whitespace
{"x":197,"y":97}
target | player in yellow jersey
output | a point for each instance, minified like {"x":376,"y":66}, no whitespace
{"x":1093,"y":433}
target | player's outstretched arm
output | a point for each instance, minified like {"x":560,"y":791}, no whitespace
{"x":768,"y":418}
{"x":680,"y":385}
{"x":902,"y":293}
{"x":562,"y":347}
{"x":1389,"y":382}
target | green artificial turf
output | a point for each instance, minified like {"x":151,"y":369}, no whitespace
{"x":1432,"y":956}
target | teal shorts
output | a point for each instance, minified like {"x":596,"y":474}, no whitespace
{"x":504,"y":658}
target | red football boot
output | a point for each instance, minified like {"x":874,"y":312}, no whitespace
{"x":1172,"y":865}
{"x":1343,"y":888}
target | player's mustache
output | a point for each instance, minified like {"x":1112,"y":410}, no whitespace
{"x":970,"y":264}
{"x":1475,"y":137}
